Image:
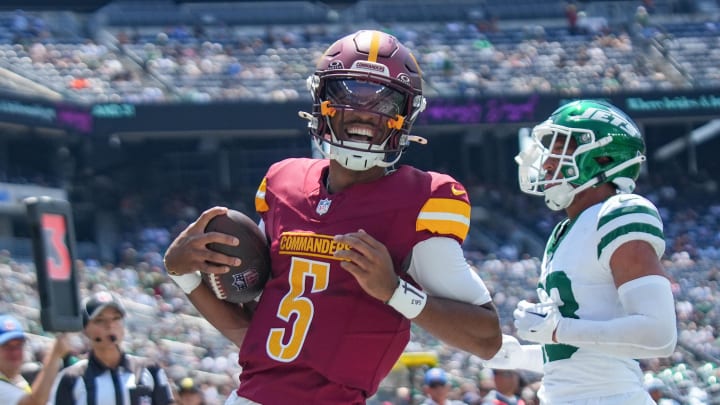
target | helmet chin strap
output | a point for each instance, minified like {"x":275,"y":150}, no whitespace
{"x":561,"y":196}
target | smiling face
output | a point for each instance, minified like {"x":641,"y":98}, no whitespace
{"x":364,"y":119}
{"x":359,"y":130}
{"x":365,"y":111}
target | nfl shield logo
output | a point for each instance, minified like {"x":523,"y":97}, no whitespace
{"x":246,"y":279}
{"x":323,"y":206}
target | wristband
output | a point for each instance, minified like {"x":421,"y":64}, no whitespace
{"x":408,"y":300}
{"x":187,"y":282}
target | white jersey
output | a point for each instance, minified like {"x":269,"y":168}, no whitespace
{"x":577,"y":264}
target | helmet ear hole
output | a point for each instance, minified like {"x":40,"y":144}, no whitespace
{"x":604,"y":160}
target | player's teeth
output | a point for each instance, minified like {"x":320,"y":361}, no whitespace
{"x":361,"y":131}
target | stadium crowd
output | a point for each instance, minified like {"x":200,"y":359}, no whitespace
{"x":215,"y":60}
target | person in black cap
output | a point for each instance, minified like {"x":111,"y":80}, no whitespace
{"x":14,"y":389}
{"x":109,"y":376}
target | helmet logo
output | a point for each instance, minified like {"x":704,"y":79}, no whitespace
{"x":336,"y":65}
{"x":612,"y":118}
{"x":403,"y":77}
{"x":370,"y":67}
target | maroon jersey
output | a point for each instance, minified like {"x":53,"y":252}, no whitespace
{"x":316,"y":336}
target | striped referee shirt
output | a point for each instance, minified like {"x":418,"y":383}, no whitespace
{"x":135,"y":381}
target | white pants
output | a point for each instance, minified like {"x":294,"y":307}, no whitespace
{"x":632,"y":398}
{"x":234,"y":399}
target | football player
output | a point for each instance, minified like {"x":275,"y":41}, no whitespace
{"x":359,"y":247}
{"x":604,"y":298}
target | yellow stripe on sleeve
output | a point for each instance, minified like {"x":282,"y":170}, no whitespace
{"x":445,"y":216}
{"x":260,"y":203}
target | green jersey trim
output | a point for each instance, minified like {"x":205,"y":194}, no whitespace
{"x":633,"y":209}
{"x":626,"y":229}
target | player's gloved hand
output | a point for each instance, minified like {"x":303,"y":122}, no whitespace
{"x":536,"y":322}
{"x":510,"y":356}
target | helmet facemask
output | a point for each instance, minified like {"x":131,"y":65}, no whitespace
{"x":552,"y":142}
{"x":364,"y":122}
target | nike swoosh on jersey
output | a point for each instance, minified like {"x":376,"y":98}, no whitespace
{"x":455,"y":191}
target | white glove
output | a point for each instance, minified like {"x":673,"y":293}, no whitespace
{"x":536,"y":322}
{"x":512,"y":355}
{"x":507,"y":358}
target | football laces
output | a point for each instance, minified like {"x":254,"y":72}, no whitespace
{"x":216,"y":286}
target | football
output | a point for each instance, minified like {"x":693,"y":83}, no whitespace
{"x":245,"y":282}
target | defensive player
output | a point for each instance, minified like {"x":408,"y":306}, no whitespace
{"x":359,"y":248}
{"x":604,"y":299}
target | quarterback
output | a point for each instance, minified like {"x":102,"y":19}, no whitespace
{"x":603,"y":297}
{"x":359,"y":247}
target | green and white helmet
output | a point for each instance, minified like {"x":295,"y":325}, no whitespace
{"x":610,"y":149}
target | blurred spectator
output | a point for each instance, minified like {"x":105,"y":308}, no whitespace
{"x":507,"y":389}
{"x":189,"y":393}
{"x":14,"y":389}
{"x":641,"y":17}
{"x":436,"y":387}
{"x":656,"y":388}
{"x":571,"y":15}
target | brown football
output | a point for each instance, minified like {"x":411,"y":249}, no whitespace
{"x":245,"y":282}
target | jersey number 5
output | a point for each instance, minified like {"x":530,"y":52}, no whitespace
{"x":294,"y":302}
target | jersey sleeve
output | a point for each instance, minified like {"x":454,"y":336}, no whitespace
{"x":446,"y":211}
{"x":439,"y":267}
{"x":624,"y":218}
{"x":261,"y":204}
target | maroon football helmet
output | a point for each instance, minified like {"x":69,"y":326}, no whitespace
{"x":372,"y":73}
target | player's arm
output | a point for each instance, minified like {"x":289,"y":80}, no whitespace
{"x":456,"y":309}
{"x":649,"y":329}
{"x":44,"y":381}
{"x":630,"y":242}
{"x":188,"y":255}
{"x":230,"y":319}
{"x":459,"y":310}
